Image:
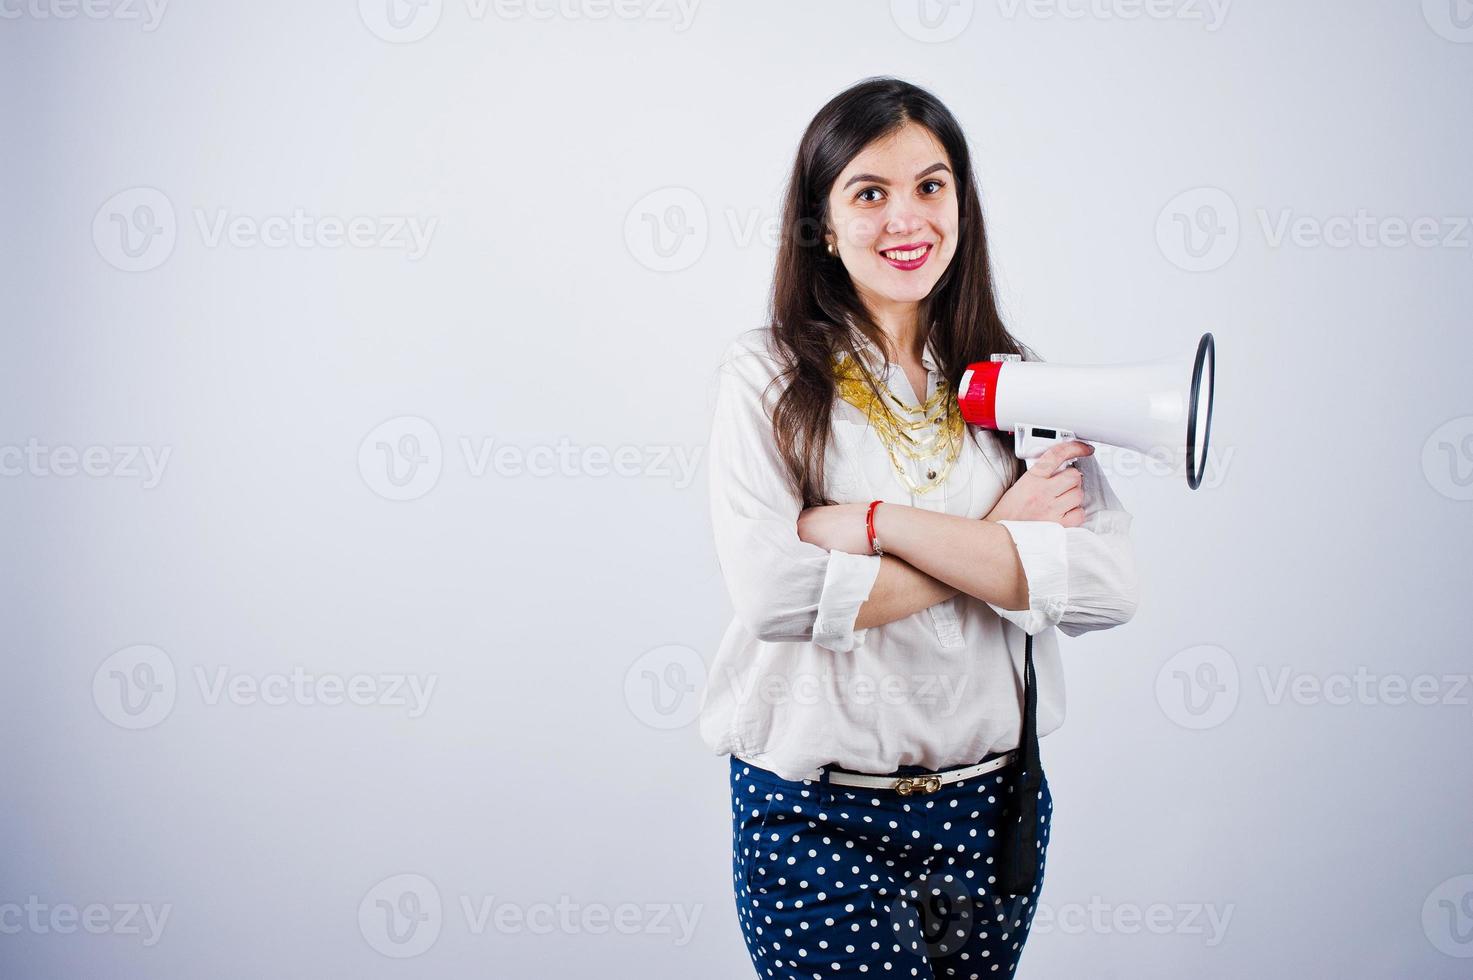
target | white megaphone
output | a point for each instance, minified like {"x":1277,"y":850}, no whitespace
{"x":1149,"y":406}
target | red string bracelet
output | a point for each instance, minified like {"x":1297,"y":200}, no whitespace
{"x":869,"y":528}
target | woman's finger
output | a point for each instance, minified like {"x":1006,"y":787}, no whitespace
{"x":1068,"y":478}
{"x":1053,"y":458}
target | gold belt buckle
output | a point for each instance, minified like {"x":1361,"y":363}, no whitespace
{"x":907,"y":785}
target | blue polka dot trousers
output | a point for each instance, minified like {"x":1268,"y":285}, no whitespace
{"x":840,"y":881}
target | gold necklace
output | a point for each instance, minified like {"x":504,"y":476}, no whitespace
{"x":924,"y":431}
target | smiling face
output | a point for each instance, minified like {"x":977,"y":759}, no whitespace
{"x":893,"y":215}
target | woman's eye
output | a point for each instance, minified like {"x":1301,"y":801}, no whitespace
{"x":935,"y":184}
{"x":868,"y":200}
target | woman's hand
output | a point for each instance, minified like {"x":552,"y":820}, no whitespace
{"x":1050,"y":491}
{"x":837,"y":527}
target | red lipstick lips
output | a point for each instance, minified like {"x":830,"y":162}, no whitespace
{"x":908,"y":258}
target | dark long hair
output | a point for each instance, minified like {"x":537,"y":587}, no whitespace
{"x":813,"y":299}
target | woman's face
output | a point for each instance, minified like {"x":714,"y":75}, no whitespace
{"x":893,"y":212}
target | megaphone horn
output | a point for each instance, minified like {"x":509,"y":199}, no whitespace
{"x":1147,"y":406}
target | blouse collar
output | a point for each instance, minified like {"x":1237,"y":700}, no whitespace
{"x":876,"y":357}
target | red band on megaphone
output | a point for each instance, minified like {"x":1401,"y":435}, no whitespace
{"x":979,"y":402}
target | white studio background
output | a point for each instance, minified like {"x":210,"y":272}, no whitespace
{"x":357,"y":361}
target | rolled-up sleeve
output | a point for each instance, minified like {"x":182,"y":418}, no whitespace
{"x":782,"y":588}
{"x":1079,"y":578}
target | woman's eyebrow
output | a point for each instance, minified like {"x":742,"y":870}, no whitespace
{"x":881,"y":180}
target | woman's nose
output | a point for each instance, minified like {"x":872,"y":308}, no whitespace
{"x":902,"y":220}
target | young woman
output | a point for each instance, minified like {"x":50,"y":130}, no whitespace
{"x":891,"y":568}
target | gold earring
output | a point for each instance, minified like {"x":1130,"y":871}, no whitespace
{"x":833,"y":250}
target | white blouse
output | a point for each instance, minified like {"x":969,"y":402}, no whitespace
{"x":794,"y":686}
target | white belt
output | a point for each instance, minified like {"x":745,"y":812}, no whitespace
{"x":921,"y":783}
